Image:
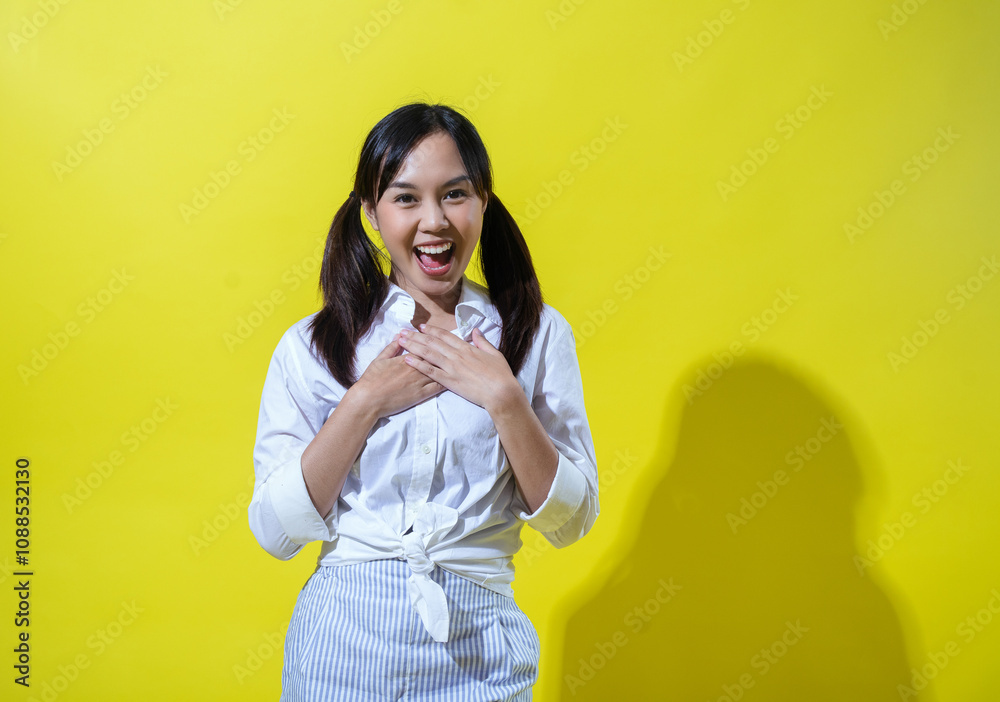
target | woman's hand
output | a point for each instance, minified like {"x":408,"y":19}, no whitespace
{"x":390,"y":385}
{"x":478,"y":371}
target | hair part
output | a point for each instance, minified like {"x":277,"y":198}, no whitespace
{"x":352,"y":281}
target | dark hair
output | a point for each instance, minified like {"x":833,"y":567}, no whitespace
{"x":352,"y":281}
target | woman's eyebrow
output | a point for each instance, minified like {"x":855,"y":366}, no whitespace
{"x":411,"y":186}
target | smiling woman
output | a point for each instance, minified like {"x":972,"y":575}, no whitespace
{"x":466,"y":422}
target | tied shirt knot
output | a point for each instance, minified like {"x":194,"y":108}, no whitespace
{"x":432,"y":524}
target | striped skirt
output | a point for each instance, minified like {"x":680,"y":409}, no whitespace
{"x":355,"y":636}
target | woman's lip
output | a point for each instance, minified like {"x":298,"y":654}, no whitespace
{"x":434,"y":272}
{"x":433,"y":243}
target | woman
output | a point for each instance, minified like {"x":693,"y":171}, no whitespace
{"x":466,"y":422}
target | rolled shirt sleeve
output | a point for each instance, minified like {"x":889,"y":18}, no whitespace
{"x":282,"y":516}
{"x":571,"y":506}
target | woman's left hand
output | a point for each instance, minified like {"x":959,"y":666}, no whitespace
{"x":478,"y":371}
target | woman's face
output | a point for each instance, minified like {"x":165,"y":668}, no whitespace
{"x":430,"y":203}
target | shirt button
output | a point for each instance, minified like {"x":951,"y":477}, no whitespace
{"x":425,"y":448}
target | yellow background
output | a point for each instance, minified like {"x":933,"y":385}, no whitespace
{"x":765,"y":268}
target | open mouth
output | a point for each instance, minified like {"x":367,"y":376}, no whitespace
{"x":435,"y":260}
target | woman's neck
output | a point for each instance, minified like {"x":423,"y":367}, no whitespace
{"x":438,"y":311}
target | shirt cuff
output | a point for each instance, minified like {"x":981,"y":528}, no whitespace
{"x":294,"y":508}
{"x":568,"y":490}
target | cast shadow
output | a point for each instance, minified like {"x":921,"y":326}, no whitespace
{"x":740,"y":583}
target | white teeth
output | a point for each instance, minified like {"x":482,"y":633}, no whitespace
{"x":434,"y":249}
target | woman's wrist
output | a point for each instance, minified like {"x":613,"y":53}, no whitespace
{"x":506,"y":401}
{"x":358,"y":400}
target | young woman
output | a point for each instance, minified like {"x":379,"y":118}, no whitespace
{"x":466,"y":422}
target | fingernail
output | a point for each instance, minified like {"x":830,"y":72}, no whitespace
{"x":422,"y":327}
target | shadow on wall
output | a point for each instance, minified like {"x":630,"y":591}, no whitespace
{"x":741,"y":583}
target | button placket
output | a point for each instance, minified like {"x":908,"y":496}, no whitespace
{"x":466,"y":325}
{"x":424,"y":458}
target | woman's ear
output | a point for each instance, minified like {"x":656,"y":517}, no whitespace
{"x":370,"y":215}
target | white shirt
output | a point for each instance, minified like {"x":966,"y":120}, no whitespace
{"x":437,"y":467}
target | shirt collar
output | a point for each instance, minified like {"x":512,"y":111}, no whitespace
{"x":474,"y":301}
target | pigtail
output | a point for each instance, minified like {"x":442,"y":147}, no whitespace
{"x":353,"y":287}
{"x":506,"y":264}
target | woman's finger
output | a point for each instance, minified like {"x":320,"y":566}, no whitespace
{"x":391,"y":349}
{"x":445,"y":337}
{"x":481,"y":342}
{"x":428,"y":347}
{"x":429,"y":370}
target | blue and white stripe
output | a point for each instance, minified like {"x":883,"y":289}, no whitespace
{"x":354,"y":635}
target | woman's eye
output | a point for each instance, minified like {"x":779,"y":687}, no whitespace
{"x":407,"y":198}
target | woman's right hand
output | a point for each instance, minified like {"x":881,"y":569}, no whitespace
{"x":390,"y":385}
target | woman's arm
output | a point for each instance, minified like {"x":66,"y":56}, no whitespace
{"x":532,"y":455}
{"x":282,"y":517}
{"x":572,"y":504}
{"x":328,"y":458}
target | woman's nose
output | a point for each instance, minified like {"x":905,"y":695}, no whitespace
{"x":432,"y":215}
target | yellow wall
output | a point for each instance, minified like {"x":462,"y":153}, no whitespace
{"x":773,"y":227}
